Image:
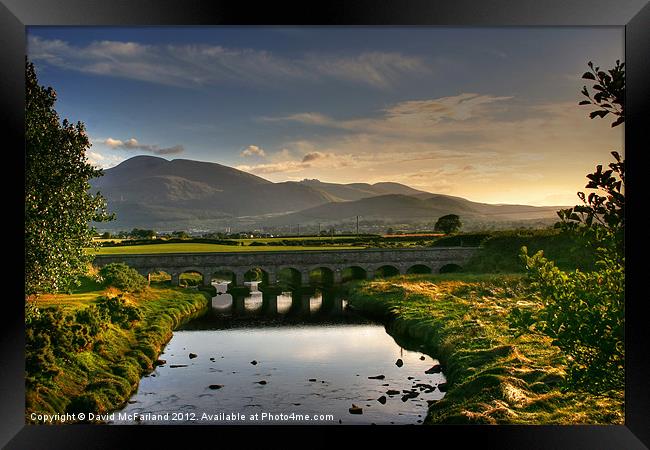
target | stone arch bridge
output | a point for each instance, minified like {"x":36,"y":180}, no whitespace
{"x":371,"y":262}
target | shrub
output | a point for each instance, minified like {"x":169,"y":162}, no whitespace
{"x":584,"y":314}
{"x":94,"y":318}
{"x":123,"y":277}
{"x":119,"y":311}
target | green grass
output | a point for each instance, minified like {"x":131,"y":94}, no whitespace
{"x":494,"y":376}
{"x":203,"y":248}
{"x":110,"y":371}
{"x":500,"y":252}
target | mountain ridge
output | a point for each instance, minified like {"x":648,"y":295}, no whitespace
{"x":153,"y":192}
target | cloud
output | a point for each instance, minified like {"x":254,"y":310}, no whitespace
{"x":452,"y":116}
{"x":101,"y":160}
{"x":313,"y":156}
{"x":200,"y":64}
{"x":253,"y":150}
{"x":283,"y":162}
{"x":133,"y":144}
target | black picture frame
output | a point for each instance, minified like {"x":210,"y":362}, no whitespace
{"x":633,"y":15}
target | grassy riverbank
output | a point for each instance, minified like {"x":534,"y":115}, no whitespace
{"x":103,"y":377}
{"x":494,"y":377}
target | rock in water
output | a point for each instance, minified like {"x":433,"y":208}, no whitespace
{"x":193,"y":355}
{"x":442,"y":387}
{"x":312,"y":379}
{"x":160,"y":362}
{"x":261,"y":382}
{"x":382,"y":399}
{"x":173,"y":366}
{"x":392,"y":392}
{"x":421,"y":358}
{"x":253,"y":362}
{"x":399,"y":363}
{"x":356,"y":409}
{"x":436,"y":368}
{"x":215,"y":386}
{"x":377,"y":377}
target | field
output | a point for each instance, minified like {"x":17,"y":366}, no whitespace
{"x":102,"y":377}
{"x":494,"y":375}
{"x":206,"y":248}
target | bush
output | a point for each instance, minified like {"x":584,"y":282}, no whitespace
{"x":584,"y":314}
{"x":123,"y":277}
{"x":119,"y":311}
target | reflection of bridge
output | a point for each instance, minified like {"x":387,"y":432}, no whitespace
{"x":364,"y":263}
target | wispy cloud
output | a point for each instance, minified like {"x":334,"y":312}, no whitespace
{"x":253,"y":150}
{"x":133,"y":144}
{"x":104,"y":161}
{"x":201,"y":64}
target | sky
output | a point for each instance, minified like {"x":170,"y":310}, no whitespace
{"x":488,"y":114}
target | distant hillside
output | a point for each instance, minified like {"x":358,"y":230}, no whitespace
{"x":397,"y":207}
{"x":357,"y":191}
{"x":152,"y":192}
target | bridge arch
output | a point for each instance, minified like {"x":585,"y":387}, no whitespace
{"x":159,"y":276}
{"x":190,"y":276}
{"x":288,"y":276}
{"x":321,"y":276}
{"x":354,"y":272}
{"x":257,"y":273}
{"x":419,"y":268}
{"x":224,"y":274}
{"x":451,"y":268}
{"x":386,"y":271}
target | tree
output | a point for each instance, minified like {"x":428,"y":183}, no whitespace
{"x":448,"y":224}
{"x":138,"y":233}
{"x":584,"y":313}
{"x":58,"y":205}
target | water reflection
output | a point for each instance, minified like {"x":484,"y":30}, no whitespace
{"x":292,"y":352}
{"x":292,"y":303}
{"x":284,"y":302}
{"x":254,"y":301}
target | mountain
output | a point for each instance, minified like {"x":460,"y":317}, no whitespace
{"x":152,"y":192}
{"x":147,"y":191}
{"x":357,"y":191}
{"x":404,"y":208}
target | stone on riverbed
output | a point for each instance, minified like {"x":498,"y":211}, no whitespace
{"x":399,"y":363}
{"x":253,"y":362}
{"x":382,"y":399}
{"x":436,"y":368}
{"x":356,"y":409}
{"x":392,"y":392}
{"x":215,"y":386}
{"x":193,"y":355}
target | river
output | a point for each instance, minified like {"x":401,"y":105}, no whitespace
{"x":284,"y":359}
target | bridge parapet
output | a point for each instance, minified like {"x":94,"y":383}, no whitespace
{"x":370,"y":260}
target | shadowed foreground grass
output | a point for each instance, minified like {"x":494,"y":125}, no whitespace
{"x":493,"y":376}
{"x":104,"y":377}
